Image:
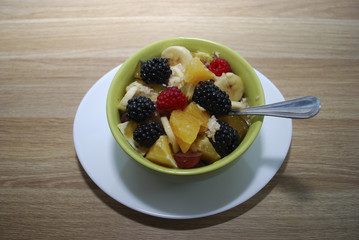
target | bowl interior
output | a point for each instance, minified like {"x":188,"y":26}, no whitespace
{"x":253,"y":92}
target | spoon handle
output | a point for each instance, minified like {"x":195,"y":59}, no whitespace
{"x":303,"y":107}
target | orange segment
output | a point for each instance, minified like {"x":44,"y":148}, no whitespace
{"x":201,"y":115}
{"x":183,"y":145}
{"x":203,"y":145}
{"x":185,"y":127}
{"x":160,"y":153}
{"x":196,"y":71}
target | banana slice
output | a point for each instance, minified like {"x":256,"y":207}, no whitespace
{"x":143,"y":90}
{"x":242,"y":104}
{"x":129,"y":94}
{"x":204,"y":57}
{"x":170,"y":134}
{"x":176,"y":55}
{"x":232,"y":84}
{"x":137,"y":89}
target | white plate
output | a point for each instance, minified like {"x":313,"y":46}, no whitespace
{"x":143,"y":190}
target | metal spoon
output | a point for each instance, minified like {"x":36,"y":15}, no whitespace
{"x":303,"y":107}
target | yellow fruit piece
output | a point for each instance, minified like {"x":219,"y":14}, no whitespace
{"x":203,"y":145}
{"x":188,"y":90}
{"x":183,"y":145}
{"x":238,"y":123}
{"x":160,"y":153}
{"x":185,"y":127}
{"x":196,"y":71}
{"x":171,"y":137}
{"x":232,"y":84}
{"x":203,"y":56}
{"x":201,"y":115}
{"x":127,"y":129}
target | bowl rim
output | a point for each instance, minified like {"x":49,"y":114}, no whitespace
{"x":122,"y":141}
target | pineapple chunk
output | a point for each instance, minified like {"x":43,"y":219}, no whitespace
{"x":127,"y":129}
{"x":198,"y":113}
{"x":203,"y":145}
{"x":203,"y":56}
{"x":185,"y":127}
{"x":196,"y":71}
{"x":161,"y":153}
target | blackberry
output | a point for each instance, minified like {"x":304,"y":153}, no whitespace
{"x":226,"y":139}
{"x":156,"y":70}
{"x":212,"y":98}
{"x":139,"y":108}
{"x":147,"y":134}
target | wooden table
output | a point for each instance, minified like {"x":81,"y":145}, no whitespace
{"x":52,"y":52}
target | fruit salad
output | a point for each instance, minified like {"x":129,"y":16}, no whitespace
{"x":176,"y":111}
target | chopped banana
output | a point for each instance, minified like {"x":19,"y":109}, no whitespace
{"x":176,"y":55}
{"x":129,"y":94}
{"x":143,"y":90}
{"x":232,"y":84}
{"x":204,"y":57}
{"x":242,"y":104}
{"x":137,"y":89}
{"x":171,"y":137}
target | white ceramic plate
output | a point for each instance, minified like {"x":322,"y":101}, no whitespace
{"x":159,"y":195}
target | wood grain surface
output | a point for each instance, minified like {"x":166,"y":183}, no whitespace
{"x":52,"y":52}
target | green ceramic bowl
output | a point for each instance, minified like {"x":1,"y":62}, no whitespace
{"x":253,"y":92}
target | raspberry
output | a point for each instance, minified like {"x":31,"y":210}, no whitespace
{"x":156,"y":70}
{"x":211,"y":98}
{"x":171,"y":99}
{"x":147,"y":134}
{"x":139,"y":108}
{"x":219,"y":66}
{"x":226,"y":139}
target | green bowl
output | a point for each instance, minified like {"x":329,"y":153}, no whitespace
{"x":253,"y":92}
